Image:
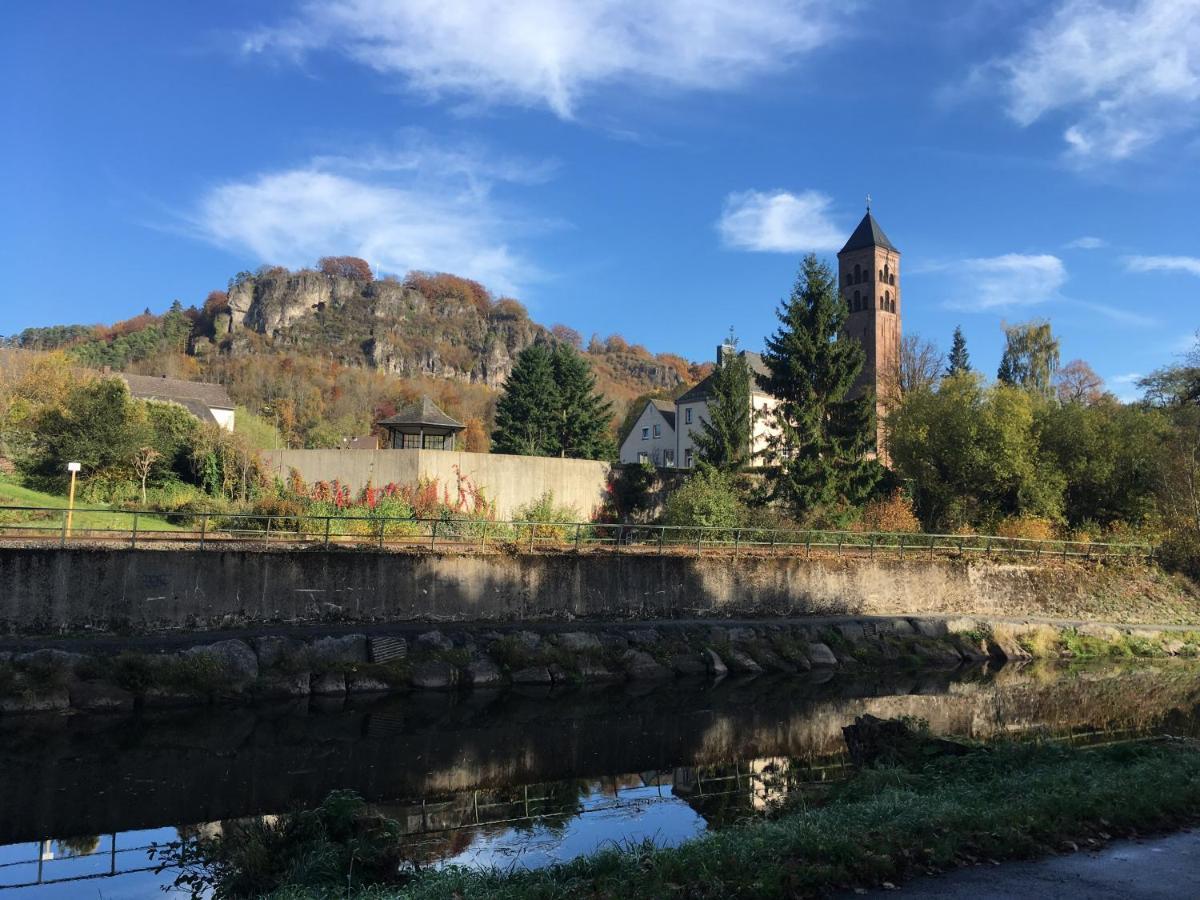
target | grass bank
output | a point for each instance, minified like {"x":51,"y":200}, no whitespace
{"x":14,"y":493}
{"x":884,"y":824}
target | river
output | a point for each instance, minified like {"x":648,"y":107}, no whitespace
{"x":521,"y":777}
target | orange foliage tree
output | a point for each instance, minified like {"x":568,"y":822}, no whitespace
{"x":346,"y":267}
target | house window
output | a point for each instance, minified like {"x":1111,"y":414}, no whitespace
{"x":658,"y":431}
{"x":668,"y":457}
{"x":646,"y":433}
{"x":687,"y":416}
{"x":435,"y":442}
{"x":643,"y":457}
{"x":687,"y":458}
{"x":410,"y":441}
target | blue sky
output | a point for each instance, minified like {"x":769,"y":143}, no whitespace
{"x":653,"y":169}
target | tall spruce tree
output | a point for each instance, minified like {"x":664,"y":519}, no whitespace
{"x":723,"y":439}
{"x":582,"y":415}
{"x":821,"y":452}
{"x":526,"y":423}
{"x":960,"y":361}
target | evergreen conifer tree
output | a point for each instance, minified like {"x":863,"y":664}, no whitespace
{"x":582,"y":415}
{"x":723,"y":439}
{"x":526,"y":423}
{"x":821,"y":450}
{"x":960,"y":361}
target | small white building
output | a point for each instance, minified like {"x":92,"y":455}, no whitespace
{"x":663,"y":433}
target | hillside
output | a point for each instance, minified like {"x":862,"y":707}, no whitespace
{"x":327,"y":350}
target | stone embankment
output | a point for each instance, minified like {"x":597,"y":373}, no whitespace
{"x":269,"y":666}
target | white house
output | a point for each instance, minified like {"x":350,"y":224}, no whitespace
{"x":652,"y":438}
{"x":663,"y":433}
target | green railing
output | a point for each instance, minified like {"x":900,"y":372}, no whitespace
{"x":143,"y":529}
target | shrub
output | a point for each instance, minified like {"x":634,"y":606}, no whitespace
{"x":1029,"y":527}
{"x":893,"y":514}
{"x":544,"y":515}
{"x":708,"y":499}
{"x":1180,"y":552}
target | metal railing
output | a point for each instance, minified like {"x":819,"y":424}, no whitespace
{"x":143,"y":529}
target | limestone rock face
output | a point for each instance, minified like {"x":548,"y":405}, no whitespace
{"x":741,"y":663}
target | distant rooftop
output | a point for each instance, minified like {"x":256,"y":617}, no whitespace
{"x":197,"y":397}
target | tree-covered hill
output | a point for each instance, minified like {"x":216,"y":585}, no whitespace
{"x":326,"y":349}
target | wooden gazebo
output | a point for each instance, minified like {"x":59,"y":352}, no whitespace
{"x":421,"y":426}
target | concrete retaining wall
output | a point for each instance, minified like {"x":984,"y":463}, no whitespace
{"x":511,"y":481}
{"x":52,"y":590}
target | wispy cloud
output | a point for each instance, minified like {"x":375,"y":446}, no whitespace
{"x":1114,"y":313}
{"x":778,"y":222}
{"x":419,"y":207}
{"x":1124,"y":75}
{"x":1189,"y":264}
{"x":1127,"y":378}
{"x":1009,"y":281}
{"x":1086,"y":243}
{"x":553,"y":53}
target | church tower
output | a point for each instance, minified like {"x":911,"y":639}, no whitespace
{"x":869,"y":276}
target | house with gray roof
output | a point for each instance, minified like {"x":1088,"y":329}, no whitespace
{"x":207,"y":402}
{"x":663,"y":433}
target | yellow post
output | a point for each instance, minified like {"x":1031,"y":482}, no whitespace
{"x":73,"y":468}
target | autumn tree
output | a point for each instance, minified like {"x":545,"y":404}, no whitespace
{"x":1077,"y":382}
{"x":1030,"y":357}
{"x":959,"y":361}
{"x":821,"y":453}
{"x":567,"y":335}
{"x":143,"y":464}
{"x":723,"y":440}
{"x":346,"y":267}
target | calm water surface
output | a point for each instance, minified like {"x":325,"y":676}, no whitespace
{"x":519,"y":778}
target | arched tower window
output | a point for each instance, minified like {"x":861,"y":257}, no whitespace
{"x":857,"y":301}
{"x":892,"y":278}
{"x":881,"y":277}
{"x":857,"y":274}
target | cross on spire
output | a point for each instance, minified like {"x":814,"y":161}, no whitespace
{"x":868,"y":202}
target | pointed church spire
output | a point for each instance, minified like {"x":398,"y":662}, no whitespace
{"x":868,"y":234}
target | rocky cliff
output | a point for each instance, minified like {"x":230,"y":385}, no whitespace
{"x":391,"y":326}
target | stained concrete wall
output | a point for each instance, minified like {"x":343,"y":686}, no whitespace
{"x":53,"y":590}
{"x":510,"y":481}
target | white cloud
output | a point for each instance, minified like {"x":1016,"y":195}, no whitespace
{"x":1189,"y":264}
{"x":778,"y":222}
{"x":1087,"y":243}
{"x":1003,"y":282}
{"x":1125,"y":74}
{"x":418,"y":208}
{"x":554,"y":52}
{"x":1127,"y":378}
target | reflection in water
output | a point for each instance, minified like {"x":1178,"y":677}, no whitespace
{"x":514,"y":778}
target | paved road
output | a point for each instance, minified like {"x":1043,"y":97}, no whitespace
{"x":1165,"y":868}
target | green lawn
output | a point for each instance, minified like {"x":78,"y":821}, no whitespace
{"x":14,"y":493}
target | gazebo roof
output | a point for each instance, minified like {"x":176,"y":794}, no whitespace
{"x":422,"y":413}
